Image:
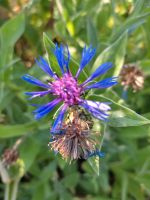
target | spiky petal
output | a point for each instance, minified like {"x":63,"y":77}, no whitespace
{"x":87,"y":55}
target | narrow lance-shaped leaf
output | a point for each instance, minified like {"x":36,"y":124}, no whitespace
{"x":122,"y":116}
{"x":114,"y":53}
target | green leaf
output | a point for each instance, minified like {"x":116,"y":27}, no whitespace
{"x":138,"y":7}
{"x":115,"y":53}
{"x":10,"y":32}
{"x":144,"y":180}
{"x":7,"y":131}
{"x":134,"y":189}
{"x":126,"y":117}
{"x":70,"y":180}
{"x":121,"y":116}
{"x":12,"y":62}
{"x":94,"y":163}
{"x":39,"y":192}
{"x":129,"y":25}
{"x":120,"y":54}
{"x":6,"y":97}
{"x":48,"y":171}
{"x":28,"y":151}
{"x":91,"y":33}
{"x":144,"y":64}
{"x":134,"y":132}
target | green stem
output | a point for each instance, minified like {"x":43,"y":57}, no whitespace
{"x":104,"y":132}
{"x":14,"y":190}
{"x":11,"y":190}
{"x":7,"y":191}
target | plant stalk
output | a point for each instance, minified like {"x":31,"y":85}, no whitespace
{"x":11,"y":190}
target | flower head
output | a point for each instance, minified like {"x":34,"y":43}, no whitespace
{"x":10,"y":156}
{"x":132,"y":76}
{"x":67,"y":89}
{"x":74,"y":139}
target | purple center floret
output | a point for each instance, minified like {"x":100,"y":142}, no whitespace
{"x":67,"y":89}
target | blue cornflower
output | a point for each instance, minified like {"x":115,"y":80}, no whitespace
{"x":66,"y":89}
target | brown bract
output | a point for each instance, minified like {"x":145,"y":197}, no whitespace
{"x":75,"y":142}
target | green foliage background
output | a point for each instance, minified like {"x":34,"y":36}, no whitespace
{"x":119,"y":29}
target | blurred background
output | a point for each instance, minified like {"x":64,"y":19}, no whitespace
{"x":119,"y":29}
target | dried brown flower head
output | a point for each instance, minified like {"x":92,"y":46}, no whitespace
{"x":9,"y":156}
{"x":132,"y":76}
{"x":74,"y":139}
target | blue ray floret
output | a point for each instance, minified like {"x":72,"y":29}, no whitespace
{"x":99,"y":71}
{"x":66,"y":90}
{"x":62,"y":57}
{"x":96,"y":153}
{"x":34,"y":81}
{"x":87,"y":55}
{"x":43,"y":64}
